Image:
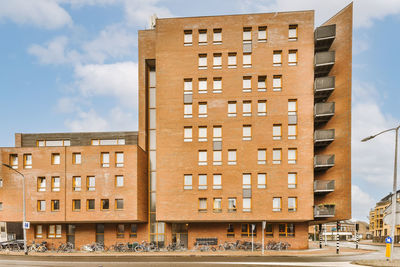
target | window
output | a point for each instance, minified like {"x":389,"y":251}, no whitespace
{"x":91,"y":183}
{"x":247,"y":35}
{"x":41,"y":205}
{"x":76,"y":183}
{"x":246,"y":60}
{"x":14,"y":161}
{"x":232,"y":62}
{"x":76,"y":204}
{"x":277,"y":58}
{"x":202,"y":85}
{"x":217,"y":36}
{"x":55,"y":184}
{"x":262,"y":83}
{"x":246,"y":108}
{"x":247,"y":84}
{"x":187,"y":86}
{"x":120,"y":230}
{"x":292,"y":204}
{"x":202,"y":181}
{"x":292,"y":131}
{"x":76,"y":158}
{"x":232,"y":157}
{"x":202,"y":133}
{"x":202,"y":61}
{"x":105,"y":204}
{"x":269,"y":230}
{"x":217,"y":61}
{"x":188,"y":38}
{"x":232,"y":204}
{"x":292,"y":58}
{"x":246,"y":180}
{"x":262,"y":108}
{"x":119,"y":204}
{"x":105,"y":159}
{"x":203,"y":204}
{"x":292,"y":180}
{"x":246,"y":204}
{"x":187,"y":134}
{"x":217,"y":85}
{"x":187,"y":111}
{"x":262,"y":156}
{"x":39,"y":231}
{"x":90,"y":204}
{"x":119,"y":180}
{"x":246,"y":132}
{"x":217,"y":157}
{"x":262,"y":34}
{"x":292,"y":155}
{"x":232,"y":109}
{"x":42,"y":143}
{"x":276,"y":204}
{"x":133,"y":232}
{"x":261,"y":180}
{"x":119,"y":159}
{"x":1,"y":182}
{"x":217,"y":207}
{"x":217,"y":181}
{"x":202,"y":109}
{"x":276,"y":156}
{"x":292,"y":32}
{"x":54,"y":231}
{"x":286,"y":229}
{"x":249,"y":229}
{"x":277,"y":132}
{"x":28,"y":161}
{"x":55,"y":205}
{"x":277,"y":83}
{"x":108,"y":142}
{"x":217,"y":133}
{"x":187,"y":181}
{"x":292,"y":107}
{"x":41,"y":184}
{"x":202,"y":37}
{"x":55,"y":158}
{"x":230,"y":231}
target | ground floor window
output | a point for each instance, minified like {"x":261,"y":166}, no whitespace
{"x":39,"y":231}
{"x":120,"y":231}
{"x":286,"y":229}
{"x":248,"y":230}
{"x":269,"y":230}
{"x":100,"y":233}
{"x":133,"y":232}
{"x":230,"y":232}
{"x":54,"y":231}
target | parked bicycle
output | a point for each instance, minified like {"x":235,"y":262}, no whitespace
{"x":93,"y":247}
{"x":65,"y":247}
{"x":174,"y":246}
{"x":37,"y":247}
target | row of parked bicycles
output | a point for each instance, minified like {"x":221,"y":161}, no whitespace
{"x":17,"y":245}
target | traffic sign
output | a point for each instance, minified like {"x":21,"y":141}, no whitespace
{"x":26,"y":225}
{"x":388,"y":240}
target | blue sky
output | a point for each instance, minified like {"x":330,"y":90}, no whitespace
{"x":71,"y":65}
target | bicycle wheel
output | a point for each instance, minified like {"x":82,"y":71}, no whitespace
{"x":139,"y":248}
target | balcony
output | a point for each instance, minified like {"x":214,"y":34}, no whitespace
{"x":323,"y":138}
{"x":323,"y":63}
{"x":323,"y":112}
{"x":324,"y":187}
{"x":324,"y":37}
{"x":324,"y":211}
{"x":323,"y":88}
{"x":323,"y":162}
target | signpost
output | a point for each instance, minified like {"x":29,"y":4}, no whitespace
{"x":26,"y":225}
{"x":357,"y":227}
{"x":388,"y":241}
{"x":263,"y":233}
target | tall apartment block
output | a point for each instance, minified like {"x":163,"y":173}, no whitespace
{"x":244,"y":132}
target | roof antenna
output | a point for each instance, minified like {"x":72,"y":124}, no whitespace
{"x":153,"y":20}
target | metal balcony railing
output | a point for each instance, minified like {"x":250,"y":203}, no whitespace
{"x":323,"y":63}
{"x":323,"y":112}
{"x":324,"y":37}
{"x":324,"y":211}
{"x":323,"y":137}
{"x":323,"y":162}
{"x":323,"y":88}
{"x":324,"y":187}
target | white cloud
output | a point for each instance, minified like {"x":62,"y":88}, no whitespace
{"x":361,"y":203}
{"x":139,"y":11}
{"x":41,"y":13}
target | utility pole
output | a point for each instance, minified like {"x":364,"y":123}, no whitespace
{"x":337,"y":237}
{"x":320,"y":235}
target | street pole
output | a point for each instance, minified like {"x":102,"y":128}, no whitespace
{"x":252,"y":238}
{"x":337,"y":237}
{"x":357,"y":225}
{"x":320,"y":235}
{"x":394,"y":197}
{"x":263,"y":234}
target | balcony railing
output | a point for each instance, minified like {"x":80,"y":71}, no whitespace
{"x":323,"y":137}
{"x":324,"y":62}
{"x":323,"y":162}
{"x":324,"y":211}
{"x":324,"y":37}
{"x":324,"y":187}
{"x":323,"y":112}
{"x":323,"y":88}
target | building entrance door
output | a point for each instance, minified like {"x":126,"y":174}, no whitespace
{"x":71,"y":234}
{"x":180,"y":234}
{"x":100,"y":233}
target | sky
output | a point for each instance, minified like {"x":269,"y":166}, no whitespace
{"x":71,"y":65}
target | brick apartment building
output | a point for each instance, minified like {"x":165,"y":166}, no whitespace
{"x":243,"y":119}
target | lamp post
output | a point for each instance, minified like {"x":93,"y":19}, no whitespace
{"x":23,"y":205}
{"x":394,"y":195}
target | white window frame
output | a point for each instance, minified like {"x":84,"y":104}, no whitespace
{"x":217,"y":181}
{"x":247,"y":84}
{"x":217,"y":85}
{"x":262,"y":83}
{"x":261,"y":180}
{"x":277,"y":204}
{"x":217,"y":133}
{"x":247,"y":204}
{"x":246,"y":180}
{"x":187,"y":134}
{"x":188,"y":182}
{"x":188,"y":86}
{"x":187,"y":37}
{"x":232,"y":156}
{"x":232,"y":60}
{"x":292,"y":155}
{"x":246,"y":132}
{"x":246,"y":108}
{"x":262,"y":34}
{"x":202,"y":157}
{"x":203,"y":181}
{"x":202,"y":61}
{"x":277,"y":58}
{"x":292,"y":131}
{"x":275,"y":153}
{"x":202,"y":85}
{"x":187,"y":110}
{"x":291,"y":176}
{"x":217,"y":61}
{"x":261,"y":156}
{"x":217,"y":157}
{"x":203,"y":110}
{"x":203,"y":37}
{"x":119,"y":159}
{"x":277,"y":83}
{"x":292,"y":57}
{"x":292,"y":206}
{"x":262,"y":108}
{"x":246,"y":60}
{"x":202,"y":137}
{"x":217,"y":36}
{"x":277,"y":132}
{"x":232,"y":109}
{"x":292,"y":107}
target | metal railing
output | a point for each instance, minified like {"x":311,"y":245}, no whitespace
{"x":324,"y":186}
{"x":324,"y":135}
{"x":324,"y":211}
{"x":324,"y":58}
{"x":324,"y":109}
{"x":324,"y":161}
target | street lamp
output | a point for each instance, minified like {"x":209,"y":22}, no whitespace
{"x":23,"y":204}
{"x":394,"y":196}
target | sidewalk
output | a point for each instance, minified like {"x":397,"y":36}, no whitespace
{"x":369,"y":242}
